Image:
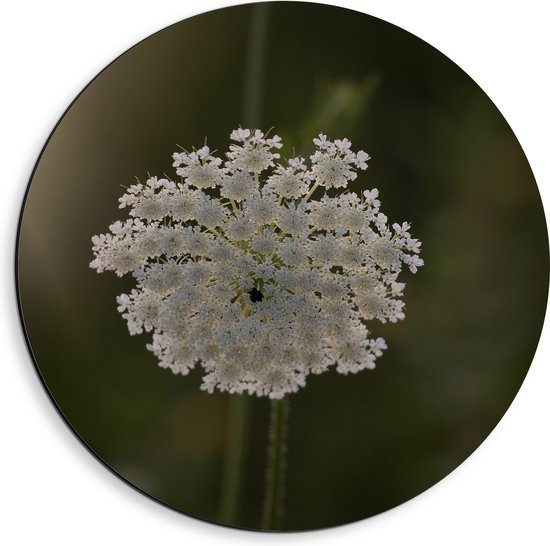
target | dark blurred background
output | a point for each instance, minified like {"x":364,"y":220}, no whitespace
{"x":443,"y":158}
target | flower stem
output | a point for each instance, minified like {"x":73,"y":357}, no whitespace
{"x":254,"y":71}
{"x":231,"y":484}
{"x":276,"y":465}
{"x":232,"y":472}
{"x":311,"y":191}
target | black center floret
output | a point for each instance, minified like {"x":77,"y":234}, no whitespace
{"x":256,"y":295}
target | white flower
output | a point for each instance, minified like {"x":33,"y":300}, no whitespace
{"x":201,"y":169}
{"x":261,"y":209}
{"x":334,"y":164}
{"x":324,"y":250}
{"x":211,"y":213}
{"x":183,"y":203}
{"x":290,"y":182}
{"x":239,"y":227}
{"x":239,"y":186}
{"x":265,"y":243}
{"x":293,"y":220}
{"x":255,"y":155}
{"x":240,"y":271}
{"x":324,"y":215}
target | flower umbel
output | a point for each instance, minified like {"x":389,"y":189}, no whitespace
{"x":239,"y":267}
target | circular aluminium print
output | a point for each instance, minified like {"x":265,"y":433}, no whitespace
{"x":322,"y":259}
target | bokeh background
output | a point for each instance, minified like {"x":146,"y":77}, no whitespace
{"x":443,"y":158}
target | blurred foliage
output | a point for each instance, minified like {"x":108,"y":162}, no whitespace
{"x":336,"y":107}
{"x":443,"y":158}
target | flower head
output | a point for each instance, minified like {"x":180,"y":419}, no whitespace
{"x":239,"y":270}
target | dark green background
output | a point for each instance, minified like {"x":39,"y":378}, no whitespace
{"x":443,"y":158}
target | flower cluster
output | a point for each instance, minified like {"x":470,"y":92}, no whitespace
{"x":262,"y":271}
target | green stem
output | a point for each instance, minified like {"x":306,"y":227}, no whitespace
{"x":276,"y":465}
{"x":237,"y":426}
{"x":232,"y":472}
{"x":254,"y":71}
